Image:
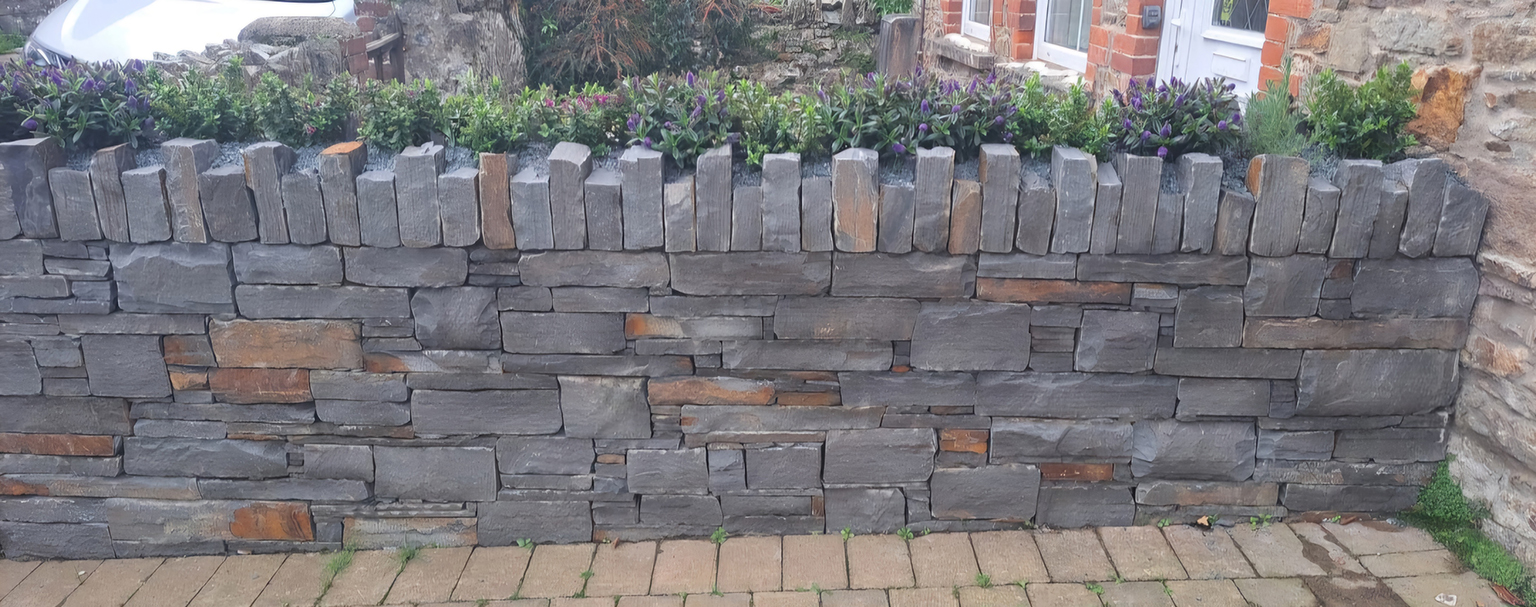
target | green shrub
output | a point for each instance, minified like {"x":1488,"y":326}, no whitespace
{"x":300,"y":116}
{"x":478,"y":119}
{"x":398,"y":115}
{"x":1367,"y":121}
{"x":892,"y":7}
{"x":1045,"y":120}
{"x":572,"y":42}
{"x":591,"y":115}
{"x":1272,"y":125}
{"x":200,"y":106}
{"x":86,"y":105}
{"x":1170,"y":118}
{"x":682,"y":118}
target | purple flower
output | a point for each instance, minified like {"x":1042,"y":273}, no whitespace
{"x":1179,"y":101}
{"x":954,"y":110}
{"x":925,"y":107}
{"x":1165,"y":131}
{"x":1008,"y":137}
{"x":998,"y":121}
{"x":130,"y":87}
{"x":1118,"y":98}
{"x":690,"y":79}
{"x":646,"y":143}
{"x":30,"y":124}
{"x":1146,"y":135}
{"x":697,"y":111}
{"x":1237,"y":118}
{"x":898,"y":148}
{"x":1221,"y":126}
{"x":1127,"y":124}
{"x":971,"y":90}
{"x":634,"y":121}
{"x":1162,"y":152}
{"x":918,"y":72}
{"x":1136,"y":103}
{"x":136,"y":65}
{"x":668,"y":124}
{"x":991,"y":77}
{"x":1231,"y":86}
{"x":922,"y":128}
{"x":720,"y":96}
{"x":822,"y":93}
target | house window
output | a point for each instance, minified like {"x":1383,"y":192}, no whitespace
{"x":1248,"y":15}
{"x":976,"y":19}
{"x":1061,"y":36}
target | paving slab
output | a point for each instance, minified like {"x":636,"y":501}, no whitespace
{"x":176,"y":581}
{"x":1062,"y":595}
{"x":1074,"y":555}
{"x":1206,"y":593}
{"x":924,"y":597}
{"x":1339,"y":559}
{"x":1267,"y":592}
{"x":596,"y":601}
{"x":1351,"y":590}
{"x":741,"y":599}
{"x":1009,"y":557}
{"x":430,"y":577}
{"x":672,"y":600}
{"x":1010,"y":595}
{"x":239,"y":580}
{"x":492,"y":573}
{"x":50,"y":583}
{"x":622,"y":569}
{"x":786,"y":599}
{"x":943,"y":560}
{"x":517,"y":603}
{"x":1377,"y":537}
{"x":815,"y":561}
{"x":1408,"y":564}
{"x":113,"y":583}
{"x":297,"y":582}
{"x":1137,"y":594}
{"x":750,"y":564}
{"x":366,"y":581}
{"x":555,"y":570}
{"x":12,"y":573}
{"x":1207,"y":555}
{"x":684,"y":566}
{"x":1274,"y":551}
{"x":879,"y":561}
{"x":854,"y":598}
{"x":1141,"y":554}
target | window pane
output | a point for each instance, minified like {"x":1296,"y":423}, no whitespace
{"x":981,"y":11}
{"x":1066,"y":24}
{"x":1241,"y":14}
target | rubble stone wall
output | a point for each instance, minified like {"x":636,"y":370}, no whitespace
{"x":200,"y":359}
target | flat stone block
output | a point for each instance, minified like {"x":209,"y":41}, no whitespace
{"x":855,"y":200}
{"x":972,"y":336}
{"x":378,"y":209}
{"x":491,"y":411}
{"x":910,"y":275}
{"x":1075,"y":395}
{"x":641,"y":177}
{"x":436,"y":473}
{"x":416,"y":193}
{"x":1195,"y":451}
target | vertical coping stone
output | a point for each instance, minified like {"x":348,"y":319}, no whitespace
{"x":304,"y":207}
{"x":227,"y":204}
{"x":265,"y":165}
{"x":340,"y":165}
{"x":1425,"y":178}
{"x":1142,"y":177}
{"x":1234,"y":217}
{"x":1360,"y":183}
{"x":965,"y":218}
{"x":781,"y":202}
{"x":1072,"y":172}
{"x":1106,"y":211}
{"x":185,"y":162}
{"x":855,"y":200}
{"x":1200,"y":175}
{"x":935,"y":179}
{"x":605,"y":216}
{"x":898,"y":205}
{"x":1037,"y":214}
{"x":999,"y":173}
{"x":569,"y":166}
{"x":712,"y":199}
{"x":1388,"y":230}
{"x":107,"y":167}
{"x":495,"y":184}
{"x":416,"y":195}
{"x":747,"y":218}
{"x":1170,"y":220}
{"x":1322,"y":212}
{"x":1279,"y":187}
{"x":816,"y":214}
{"x":642,"y":175}
{"x":75,"y":204}
{"x":25,"y":185}
{"x":530,"y":211}
{"x":1461,"y":221}
{"x":377,"y":210}
{"x":149,"y":213}
{"x":460,"y":207}
{"x":679,"y":208}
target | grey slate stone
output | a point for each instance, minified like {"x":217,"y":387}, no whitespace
{"x":751,"y":273}
{"x":1461,"y":222}
{"x":544,"y":455}
{"x":525,"y":299}
{"x":51,"y":286}
{"x":1343,"y":473}
{"x":908,"y":389}
{"x":396,"y":267}
{"x":1106,"y":211}
{"x":53,"y":541}
{"x":1426,"y":183}
{"x":458,"y":194}
{"x":64,"y":415}
{"x":599,"y":299}
{"x":935,"y":176}
{"x":1067,"y":505}
{"x":594,"y":269}
{"x":1200,"y":175}
{"x":230,"y":212}
{"x":705,"y":307}
{"x":363,"y":413}
{"x":1169,"y":222}
{"x":855,"y":200}
{"x":674,"y":471}
{"x":1375,"y":382}
{"x":1142,"y":178}
{"x":909,"y":275}
{"x":560,"y":332}
{"x":287,"y":264}
{"x":845,"y":318}
{"x":107,"y":167}
{"x":416,"y":195}
{"x":185,"y":161}
{"x":1281,"y":205}
{"x":25,"y":191}
{"x":605,"y":220}
{"x":999,"y":176}
{"x":1073,"y":174}
{"x":678,"y":213}
{"x":148,"y":212}
{"x":1004,"y":492}
{"x":1392,"y":445}
{"x":126,"y":365}
{"x":1209,"y":317}
{"x":1284,"y":286}
{"x":1228,"y":362}
{"x":266,"y":164}
{"x":257,"y":301}
{"x":703,"y":419}
{"x":75,"y":204}
{"x":378,"y":210}
{"x":1353,"y":498}
{"x":16,"y":463}
{"x":686,"y":511}
{"x":1024,"y":265}
{"x":304,"y":207}
{"x":21,"y":257}
{"x":619,"y":365}
{"x":1311,"y":445}
{"x":604,"y":407}
{"x":879,"y":456}
{"x":1022,"y":440}
{"x":461,"y":318}
{"x":898,"y":206}
{"x":1183,"y":269}
{"x":486,"y":412}
{"x":471,"y":381}
{"x":727,"y":470}
{"x":1414,"y":288}
{"x":1075,"y":395}
{"x":822,"y":355}
{"x":357,"y":386}
{"x":1214,"y":451}
{"x":1234,"y":217}
{"x":1223,"y":397}
{"x":338,"y":186}
{"x":1321,"y":217}
{"x":1388,"y":230}
{"x":781,"y":202}
{"x":204,"y":458}
{"x":1037,"y":214}
{"x":640,"y":176}
{"x":532,"y":216}
{"x":285,"y":489}
{"x":569,"y":166}
{"x":1360,"y":182}
{"x":816,"y":214}
{"x":796,"y":466}
{"x":53,"y":510}
{"x":19,"y":375}
{"x":439,"y":474}
{"x":352,"y":462}
{"x":971,"y":336}
{"x":560,"y":522}
{"x":1116,"y":342}
{"x":866,"y":510}
{"x":713,"y":210}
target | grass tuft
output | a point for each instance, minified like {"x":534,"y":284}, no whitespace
{"x":1444,"y":511}
{"x":333,"y":567}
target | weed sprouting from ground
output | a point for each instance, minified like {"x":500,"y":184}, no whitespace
{"x":1444,"y":512}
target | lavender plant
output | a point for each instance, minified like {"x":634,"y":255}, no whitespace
{"x":85,"y":106}
{"x":682,"y":119}
{"x":1170,"y":118}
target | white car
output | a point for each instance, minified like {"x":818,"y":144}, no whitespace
{"x":123,"y":30}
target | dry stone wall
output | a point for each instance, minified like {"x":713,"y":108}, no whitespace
{"x":201,"y":359}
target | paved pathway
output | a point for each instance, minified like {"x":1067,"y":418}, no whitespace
{"x":1364,"y":564}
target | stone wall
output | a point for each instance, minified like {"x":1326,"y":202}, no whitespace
{"x":201,"y":359}
{"x":22,"y":16}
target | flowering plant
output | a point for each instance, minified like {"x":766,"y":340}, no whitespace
{"x":84,"y":105}
{"x":682,"y":118}
{"x":590,"y":115}
{"x":300,"y":116}
{"x":1170,"y":118}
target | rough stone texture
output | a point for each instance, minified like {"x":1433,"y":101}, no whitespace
{"x":148,"y":212}
{"x":1234,"y":216}
{"x":1003,"y":492}
{"x":495,"y":192}
{"x":569,"y":166}
{"x":1284,"y":286}
{"x":1461,"y":224}
{"x":378,"y":209}
{"x":971,"y":336}
{"x":855,"y":200}
{"x":898,"y":207}
{"x":304,"y":208}
{"x":459,"y":193}
{"x":1200,"y":175}
{"x":1116,"y":342}
{"x":999,"y":176}
{"x":204,"y":458}
{"x":965,"y":218}
{"x":1322,"y":215}
{"x":816,"y":214}
{"x":1037,"y":214}
{"x":1353,"y":382}
{"x":228,"y":206}
{"x":678,"y":215}
{"x":397,"y":267}
{"x":747,"y":218}
{"x":26,"y":194}
{"x":1073,"y":174}
{"x":845,"y":318}
{"x":1280,"y":185}
{"x":287,"y":265}
{"x":604,"y":407}
{"x":866,"y":510}
{"x":531,"y":215}
{"x":340,"y":166}
{"x":1360,"y":181}
{"x":77,"y":216}
{"x":935,"y":180}
{"x":185,"y":160}
{"x":879,"y":456}
{"x":417,"y":196}
{"x":1414,"y":288}
{"x":667,"y":471}
{"x":505,"y":523}
{"x":1138,"y":205}
{"x":462,"y":318}
{"x":712,"y":200}
{"x":641,"y":178}
{"x":265,"y":165}
{"x":491,"y":411}
{"x":1209,"y":317}
{"x":303,"y":344}
{"x":1389,"y":220}
{"x":125,"y":365}
{"x":1215,"y":451}
{"x":436,"y":473}
{"x":1075,"y":395}
{"x":910,"y":275}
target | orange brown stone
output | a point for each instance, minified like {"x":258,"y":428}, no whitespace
{"x":965,"y":441}
{"x":188,"y":350}
{"x":285,"y":344}
{"x":1077,"y":472}
{"x":59,"y":444}
{"x":710,"y":391}
{"x":183,"y":379}
{"x":11,"y":486}
{"x":283,"y":521}
{"x":1021,"y":290}
{"x":259,"y":386}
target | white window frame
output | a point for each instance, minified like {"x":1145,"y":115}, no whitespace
{"x":975,"y":29}
{"x":1060,"y":55}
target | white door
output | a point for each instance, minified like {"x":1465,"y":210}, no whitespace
{"x":1211,"y":38}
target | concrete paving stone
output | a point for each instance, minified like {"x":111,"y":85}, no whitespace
{"x":1141,"y":554}
{"x":1356,"y":590}
{"x":1073,"y":555}
{"x":176,"y":581}
{"x":517,"y":603}
{"x":556,"y":570}
{"x":1313,"y":533}
{"x":113,"y":583}
{"x":1375,"y":537}
{"x":1010,"y":595}
{"x":1136,"y":594}
{"x":1421,"y":591}
{"x":750,"y":564}
{"x":12,"y":573}
{"x":622,"y":569}
{"x":49,"y":584}
{"x":854,"y":598}
{"x":651,"y":601}
{"x":1207,"y":555}
{"x":1262,"y":592}
{"x":740,"y":599}
{"x":1275,"y":551}
{"x":944,"y":560}
{"x":1206,"y":593}
{"x":1009,"y":557}
{"x":878,"y":561}
{"x":366,"y":581}
{"x":430,"y":576}
{"x":786,"y":599}
{"x":1407,"y":564}
{"x":815,"y":561}
{"x":924,"y":597}
{"x":239,"y":580}
{"x":684,"y":566}
{"x":297,"y":582}
{"x":1062,"y":595}
{"x":596,"y":601}
{"x":492,"y":573}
